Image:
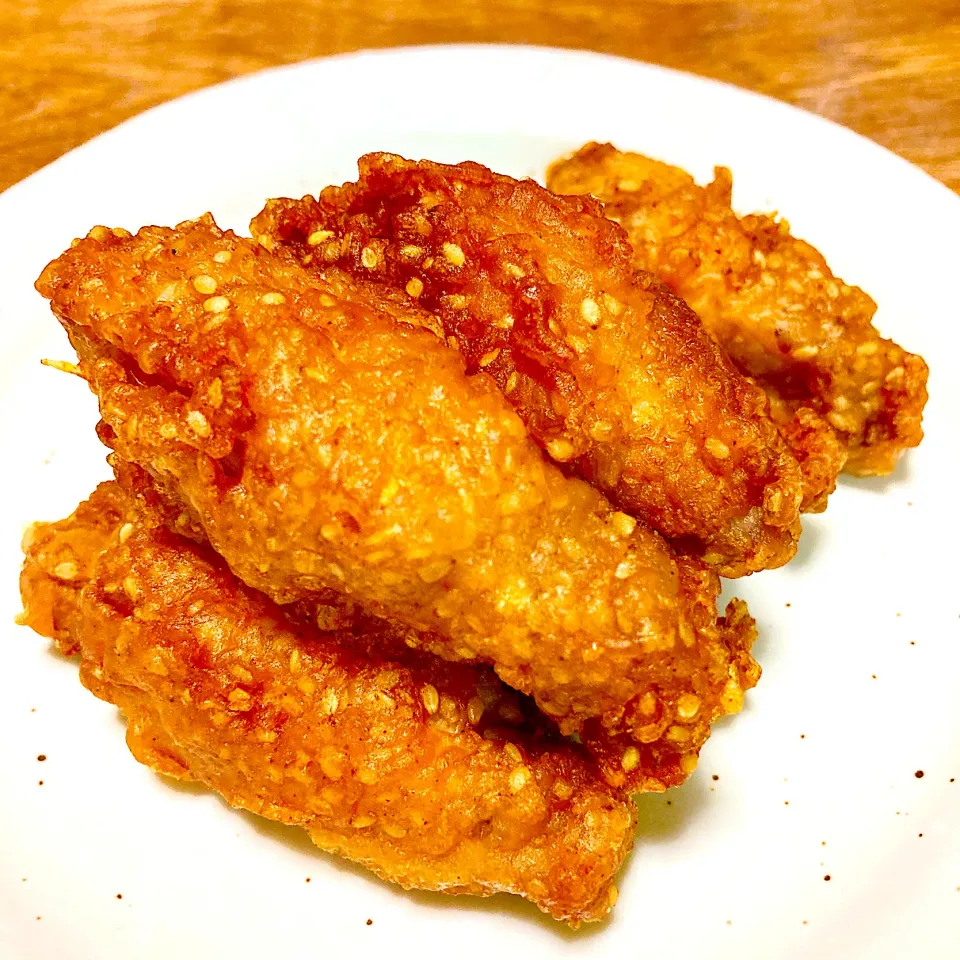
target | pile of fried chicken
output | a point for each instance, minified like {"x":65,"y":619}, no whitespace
{"x":421,"y":498}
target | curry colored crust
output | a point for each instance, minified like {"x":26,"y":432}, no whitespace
{"x":770,"y":300}
{"x":612,"y":374}
{"x":320,"y":445}
{"x":427,"y":773}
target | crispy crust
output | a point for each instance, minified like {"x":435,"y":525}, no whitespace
{"x":319,"y":444}
{"x":427,"y":773}
{"x":612,"y":374}
{"x":770,"y":300}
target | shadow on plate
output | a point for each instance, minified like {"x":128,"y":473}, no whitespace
{"x":881,"y":485}
{"x":297,"y":839}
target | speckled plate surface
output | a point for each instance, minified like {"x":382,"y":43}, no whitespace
{"x":808,"y":830}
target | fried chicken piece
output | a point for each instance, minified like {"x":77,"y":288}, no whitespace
{"x":649,"y":748}
{"x":770,"y":300}
{"x":395,"y":760}
{"x":613,"y":375}
{"x":319,"y":444}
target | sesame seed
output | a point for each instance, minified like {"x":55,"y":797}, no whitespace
{"x":623,"y":523}
{"x":648,"y":704}
{"x":273,"y":297}
{"x":331,"y":702}
{"x":677,"y":734}
{"x":519,"y":779}
{"x":363,"y":821}
{"x":688,"y":706}
{"x":411,"y":251}
{"x":318,"y":236}
{"x":125,"y":531}
{"x":369,"y":257}
{"x":199,"y":424}
{"x":513,"y":752}
{"x":488,"y":358}
{"x":204,"y":284}
{"x":805,"y":352}
{"x":630,"y":759}
{"x":223,"y":256}
{"x":514,"y":270}
{"x":66,"y":570}
{"x":511,"y":384}
{"x":430,"y":697}
{"x":689,"y":763}
{"x":130,"y":588}
{"x":414,"y":286}
{"x":561,"y":449}
{"x":475,"y":709}
{"x":717,"y":448}
{"x":453,"y":254}
{"x":590,"y":311}
{"x":612,"y":304}
{"x":216,"y":304}
{"x":601,"y":430}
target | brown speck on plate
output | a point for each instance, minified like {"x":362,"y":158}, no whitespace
{"x":716,"y":777}
{"x":919,"y":774}
{"x":369,"y":922}
{"x":826,"y":876}
{"x":119,"y":896}
{"x":41,"y":757}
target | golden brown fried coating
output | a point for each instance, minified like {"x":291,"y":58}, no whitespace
{"x":770,"y":300}
{"x":613,"y":375}
{"x":319,"y":444}
{"x":400,"y":762}
{"x":651,"y":745}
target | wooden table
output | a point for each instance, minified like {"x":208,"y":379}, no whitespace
{"x":889,"y":69}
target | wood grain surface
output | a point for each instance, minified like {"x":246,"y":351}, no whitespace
{"x":889,"y":69}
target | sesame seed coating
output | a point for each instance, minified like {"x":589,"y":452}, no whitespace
{"x":615,"y":376}
{"x":773,"y":304}
{"x":348,"y":452}
{"x":340,"y":744}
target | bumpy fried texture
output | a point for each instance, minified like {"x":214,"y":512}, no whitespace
{"x":319,"y":444}
{"x":649,"y":746}
{"x":815,"y":444}
{"x":770,"y":300}
{"x":402,"y":763}
{"x":613,"y":375}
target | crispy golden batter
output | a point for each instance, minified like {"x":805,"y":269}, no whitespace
{"x":321,"y":445}
{"x":400,"y":762}
{"x":612,"y":374}
{"x":818,"y":449}
{"x":770,"y":299}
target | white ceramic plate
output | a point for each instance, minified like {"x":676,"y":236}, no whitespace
{"x":859,"y":635}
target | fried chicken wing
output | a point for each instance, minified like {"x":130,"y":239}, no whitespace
{"x":395,"y":760}
{"x":321,"y":445}
{"x":612,"y":374}
{"x":769,"y":299}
